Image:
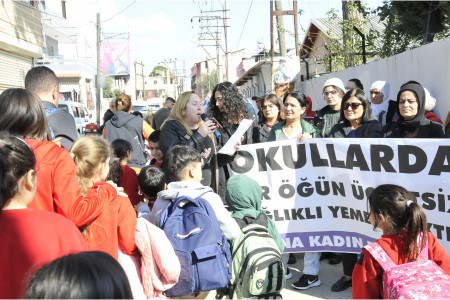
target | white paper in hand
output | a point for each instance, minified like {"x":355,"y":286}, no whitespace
{"x":230,"y":147}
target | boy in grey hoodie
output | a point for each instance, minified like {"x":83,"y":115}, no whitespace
{"x":184,"y":165}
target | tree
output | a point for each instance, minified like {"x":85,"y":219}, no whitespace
{"x":411,"y":24}
{"x":344,"y":48}
{"x":207,"y":82}
{"x":160,"y":71}
{"x":107,"y":91}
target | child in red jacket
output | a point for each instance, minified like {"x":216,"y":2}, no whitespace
{"x":30,"y":237}
{"x":402,"y":221}
{"x":116,"y":224}
{"x":124,"y":176}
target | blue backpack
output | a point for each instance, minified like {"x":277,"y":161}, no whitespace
{"x":193,"y":230}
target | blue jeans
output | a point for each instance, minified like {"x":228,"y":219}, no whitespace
{"x":311,"y":263}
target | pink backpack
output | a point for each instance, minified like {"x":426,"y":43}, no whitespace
{"x":421,"y":279}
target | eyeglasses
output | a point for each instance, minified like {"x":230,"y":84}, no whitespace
{"x":329,"y":93}
{"x":375,"y":93}
{"x":354,"y":105}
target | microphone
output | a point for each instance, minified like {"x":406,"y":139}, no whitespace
{"x":206,"y":118}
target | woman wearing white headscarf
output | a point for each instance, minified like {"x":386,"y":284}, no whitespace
{"x":382,"y":108}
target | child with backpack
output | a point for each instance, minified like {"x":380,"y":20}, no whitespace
{"x":259,"y":243}
{"x":184,"y":163}
{"x":197,"y":224}
{"x":116,"y":224}
{"x":127,"y":176}
{"x":407,"y":261}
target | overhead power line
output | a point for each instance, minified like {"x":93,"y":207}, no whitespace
{"x":244,"y":24}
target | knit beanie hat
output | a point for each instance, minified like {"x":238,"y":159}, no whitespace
{"x":335,"y":82}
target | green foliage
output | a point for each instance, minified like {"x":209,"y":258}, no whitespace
{"x":207,"y":82}
{"x":160,"y":71}
{"x":410,"y":24}
{"x":345,"y":48}
{"x":107,"y":91}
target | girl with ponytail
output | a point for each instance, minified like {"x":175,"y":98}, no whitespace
{"x":116,"y":224}
{"x":404,"y":224}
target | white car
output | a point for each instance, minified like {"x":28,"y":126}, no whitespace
{"x":79,"y":113}
{"x":140,"y":106}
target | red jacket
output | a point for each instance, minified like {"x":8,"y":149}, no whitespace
{"x":58,"y":189}
{"x":432,"y":117}
{"x":367,"y":274}
{"x":115,"y":226}
{"x":130,"y":184}
{"x":31,"y":238}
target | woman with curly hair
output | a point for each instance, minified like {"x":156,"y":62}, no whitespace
{"x":227,"y":106}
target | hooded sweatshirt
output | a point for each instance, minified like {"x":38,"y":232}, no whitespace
{"x":193,"y":189}
{"x":244,"y":198}
{"x":115,"y":129}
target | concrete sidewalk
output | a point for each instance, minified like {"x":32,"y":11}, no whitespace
{"x":328,"y":275}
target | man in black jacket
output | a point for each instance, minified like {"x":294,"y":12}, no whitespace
{"x":43,"y":82}
{"x":163,"y":113}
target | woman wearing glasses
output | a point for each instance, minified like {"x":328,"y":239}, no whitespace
{"x":356,"y":118}
{"x":328,"y":116}
{"x":382,"y":108}
{"x":271,"y":115}
{"x":356,"y":121}
{"x":412,"y":122}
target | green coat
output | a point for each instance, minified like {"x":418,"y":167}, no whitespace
{"x":276,"y":129}
{"x":243,"y":196}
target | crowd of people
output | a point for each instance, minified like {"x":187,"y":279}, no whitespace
{"x":73,"y":209}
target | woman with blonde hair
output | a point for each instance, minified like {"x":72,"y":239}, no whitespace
{"x":116,"y":224}
{"x":185,"y":127}
{"x":124,"y":125}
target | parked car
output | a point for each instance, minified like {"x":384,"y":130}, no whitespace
{"x":140,"y":106}
{"x":79,"y":113}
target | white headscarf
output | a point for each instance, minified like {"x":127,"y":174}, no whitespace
{"x":385,"y":89}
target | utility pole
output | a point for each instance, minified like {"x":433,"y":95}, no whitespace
{"x":98,"y":102}
{"x":277,"y":13}
{"x":219,"y":66}
{"x":227,"y":39}
{"x":144,"y":96}
{"x":210,"y":33}
{"x":280,"y":25}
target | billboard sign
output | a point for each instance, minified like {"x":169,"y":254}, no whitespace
{"x":115,"y":58}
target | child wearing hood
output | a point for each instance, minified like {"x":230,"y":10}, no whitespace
{"x":243,"y":196}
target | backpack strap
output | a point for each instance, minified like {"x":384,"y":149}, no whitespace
{"x":248,"y":219}
{"x":128,"y":128}
{"x":380,"y":256}
{"x":423,"y":255}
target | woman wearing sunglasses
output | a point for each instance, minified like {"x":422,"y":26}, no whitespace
{"x":356,"y":118}
{"x":356,"y":122}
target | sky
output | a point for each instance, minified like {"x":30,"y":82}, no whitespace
{"x":161,"y":30}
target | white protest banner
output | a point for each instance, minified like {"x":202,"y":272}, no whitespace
{"x":316,"y":191}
